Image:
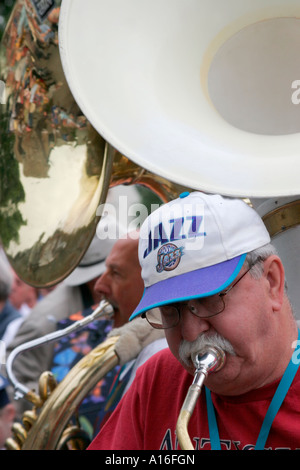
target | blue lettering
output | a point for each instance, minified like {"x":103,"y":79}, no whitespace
{"x":159,"y":236}
{"x":149,"y":249}
{"x":196,"y":221}
{"x":176,"y":226}
{"x":175,"y":232}
{"x":167,"y":441}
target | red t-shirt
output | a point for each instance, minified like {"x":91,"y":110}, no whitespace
{"x":146,"y":417}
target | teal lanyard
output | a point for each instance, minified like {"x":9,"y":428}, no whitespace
{"x":275,"y":404}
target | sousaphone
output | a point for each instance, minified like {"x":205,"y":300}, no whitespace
{"x":172,"y":94}
{"x":55,"y":168}
{"x":203,"y":94}
{"x":200,"y":92}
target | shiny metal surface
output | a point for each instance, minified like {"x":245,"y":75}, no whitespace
{"x":210,"y":359}
{"x":55,"y":169}
{"x":53,"y":164}
{"x":283,"y":218}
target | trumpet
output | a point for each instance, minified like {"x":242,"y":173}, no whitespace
{"x":210,"y":359}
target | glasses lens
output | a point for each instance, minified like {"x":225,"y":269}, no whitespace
{"x":154,"y":318}
{"x":167,"y":316}
{"x":163,"y":317}
{"x":207,"y":306}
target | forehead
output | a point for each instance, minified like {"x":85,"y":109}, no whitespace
{"x":124,"y":252}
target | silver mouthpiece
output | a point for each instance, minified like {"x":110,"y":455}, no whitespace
{"x":210,"y":359}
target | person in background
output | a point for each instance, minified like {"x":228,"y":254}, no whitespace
{"x":121,"y":283}
{"x":23,"y":296}
{"x":76,"y":293}
{"x":122,"y":286}
{"x":8,"y":314}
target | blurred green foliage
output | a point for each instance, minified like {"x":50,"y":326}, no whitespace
{"x":6,"y":7}
{"x":11,"y":190}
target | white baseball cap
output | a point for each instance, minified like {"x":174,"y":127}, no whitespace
{"x":195,"y":246}
{"x":92,"y":264}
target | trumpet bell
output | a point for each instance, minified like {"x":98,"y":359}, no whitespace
{"x":198,"y":92}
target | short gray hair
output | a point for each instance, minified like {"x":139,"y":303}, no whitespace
{"x":256,"y":258}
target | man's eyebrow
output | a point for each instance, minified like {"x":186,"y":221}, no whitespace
{"x":113,"y":265}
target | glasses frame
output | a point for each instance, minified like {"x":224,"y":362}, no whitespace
{"x":221,"y":295}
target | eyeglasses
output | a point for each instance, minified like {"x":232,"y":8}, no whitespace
{"x":168,"y":316}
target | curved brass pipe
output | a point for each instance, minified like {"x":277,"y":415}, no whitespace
{"x":48,"y":430}
{"x":206,"y":361}
{"x":47,"y":425}
{"x":104,"y":309}
{"x":45,"y":430}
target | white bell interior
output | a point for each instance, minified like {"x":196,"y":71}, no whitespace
{"x":150,"y":77}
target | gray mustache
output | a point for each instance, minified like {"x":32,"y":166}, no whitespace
{"x":187,"y":348}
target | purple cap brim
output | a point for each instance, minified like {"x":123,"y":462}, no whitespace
{"x":199,"y":283}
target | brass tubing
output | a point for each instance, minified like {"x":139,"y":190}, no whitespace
{"x":104,"y":309}
{"x":208,"y":360}
{"x":187,"y":411}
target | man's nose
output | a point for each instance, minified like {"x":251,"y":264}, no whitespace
{"x":192,"y":326}
{"x":102,"y":285}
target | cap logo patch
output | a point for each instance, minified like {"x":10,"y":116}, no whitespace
{"x":168,"y":257}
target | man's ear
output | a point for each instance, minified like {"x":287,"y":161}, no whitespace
{"x":275,"y":275}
